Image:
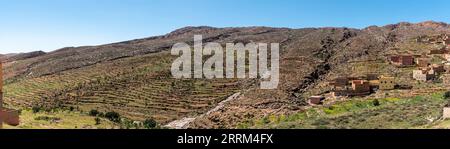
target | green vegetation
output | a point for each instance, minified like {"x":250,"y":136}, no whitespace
{"x":150,"y":123}
{"x":60,"y":120}
{"x":447,"y":95}
{"x":113,"y":116}
{"x":413,"y":112}
{"x":94,"y":112}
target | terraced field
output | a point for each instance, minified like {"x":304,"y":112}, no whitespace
{"x":138,"y":88}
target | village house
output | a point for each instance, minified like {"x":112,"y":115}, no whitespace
{"x":446,"y":112}
{"x":441,"y":51}
{"x":424,"y":74}
{"x":423,"y":61}
{"x":402,"y":60}
{"x":386,"y":83}
{"x":439,"y":69}
{"x":341,"y":83}
{"x":316,"y":100}
{"x":371,"y":77}
{"x":353,"y":87}
{"x":360,"y":86}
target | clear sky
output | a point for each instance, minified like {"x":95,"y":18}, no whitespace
{"x":29,"y":25}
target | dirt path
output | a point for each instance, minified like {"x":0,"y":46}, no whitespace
{"x":185,"y":122}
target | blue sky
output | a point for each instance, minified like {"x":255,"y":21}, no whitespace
{"x":29,"y":25}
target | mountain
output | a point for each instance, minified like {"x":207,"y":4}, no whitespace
{"x":133,"y":77}
{"x":21,"y":56}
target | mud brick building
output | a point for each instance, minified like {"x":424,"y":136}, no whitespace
{"x":439,"y":69}
{"x":315,"y":100}
{"x":423,"y":61}
{"x":439,"y":51}
{"x":341,"y":82}
{"x":387,"y":83}
{"x":360,"y":86}
{"x":424,"y":74}
{"x":402,"y":60}
{"x":446,"y":112}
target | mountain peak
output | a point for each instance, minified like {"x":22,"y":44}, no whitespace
{"x":432,"y":24}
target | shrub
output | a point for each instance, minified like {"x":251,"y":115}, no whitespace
{"x":93,"y":112}
{"x":47,"y":118}
{"x":36,"y":109}
{"x":321,"y":122}
{"x":376,"y":103}
{"x":97,"y":121}
{"x":447,"y":95}
{"x":113,"y":116}
{"x":150,"y":123}
{"x":101,"y":114}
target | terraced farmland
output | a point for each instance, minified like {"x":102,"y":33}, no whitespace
{"x":138,"y":88}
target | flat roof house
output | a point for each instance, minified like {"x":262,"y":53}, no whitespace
{"x":316,"y":100}
{"x":439,"y":51}
{"x":446,"y":112}
{"x":438,"y":68}
{"x":387,"y":83}
{"x":424,"y":74}
{"x":423,"y":61}
{"x":360,"y":86}
{"x":402,"y":60}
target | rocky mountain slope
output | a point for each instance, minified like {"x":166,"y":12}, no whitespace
{"x":133,"y":77}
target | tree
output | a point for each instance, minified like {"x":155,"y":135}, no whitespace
{"x":97,"y":121}
{"x":93,"y":112}
{"x":150,"y":123}
{"x":113,"y":116}
{"x":376,"y":103}
{"x":36,"y":109}
{"x":447,"y":95}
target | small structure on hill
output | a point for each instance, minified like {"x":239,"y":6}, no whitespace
{"x":439,"y":51}
{"x":446,"y":112}
{"x":387,"y":83}
{"x":341,"y":83}
{"x":361,"y":86}
{"x":424,"y":74}
{"x":316,"y":100}
{"x":423,"y":61}
{"x":356,"y":88}
{"x":402,"y":60}
{"x":437,"y":68}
